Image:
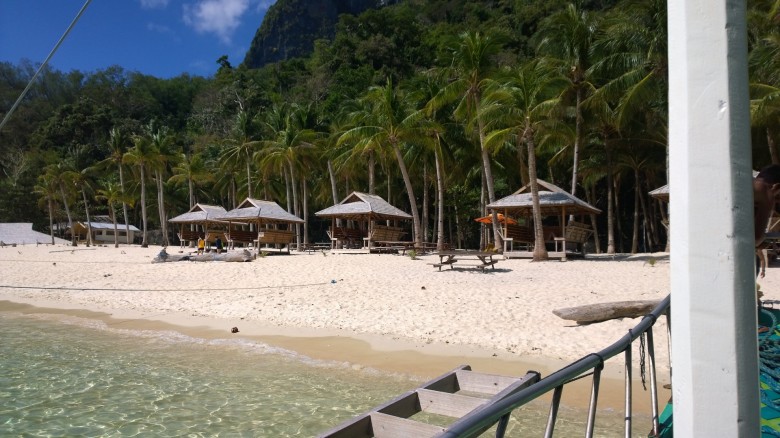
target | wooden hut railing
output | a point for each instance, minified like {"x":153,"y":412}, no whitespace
{"x":352,"y":237}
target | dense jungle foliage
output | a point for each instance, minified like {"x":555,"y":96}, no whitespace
{"x":439,"y":106}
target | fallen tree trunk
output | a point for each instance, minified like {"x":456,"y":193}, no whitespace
{"x":243,"y":256}
{"x":599,"y":312}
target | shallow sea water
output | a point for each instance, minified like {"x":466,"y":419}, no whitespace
{"x":73,"y":377}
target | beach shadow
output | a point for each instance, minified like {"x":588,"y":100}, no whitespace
{"x":658,"y":257}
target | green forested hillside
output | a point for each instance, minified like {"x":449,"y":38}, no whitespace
{"x":439,"y":106}
{"x":290,"y":28}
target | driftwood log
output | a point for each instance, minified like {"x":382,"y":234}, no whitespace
{"x":243,"y":256}
{"x":599,"y":312}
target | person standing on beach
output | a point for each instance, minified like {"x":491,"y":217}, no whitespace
{"x":201,"y":245}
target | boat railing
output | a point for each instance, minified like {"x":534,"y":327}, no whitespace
{"x":472,"y":424}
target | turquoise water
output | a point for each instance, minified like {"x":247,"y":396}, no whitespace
{"x":81,"y":378}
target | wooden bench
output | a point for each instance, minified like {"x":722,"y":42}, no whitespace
{"x":352,"y":237}
{"x":241,"y":236}
{"x":186,"y":236}
{"x":522,"y":235}
{"x":386,"y":234}
{"x":577,"y":233}
{"x":282,"y":237}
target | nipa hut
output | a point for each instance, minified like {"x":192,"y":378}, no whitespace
{"x":260,"y":222}
{"x":553,"y":201}
{"x":363,"y":209}
{"x":198,"y":222}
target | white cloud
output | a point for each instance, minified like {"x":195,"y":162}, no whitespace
{"x":154,"y":4}
{"x":220,"y":17}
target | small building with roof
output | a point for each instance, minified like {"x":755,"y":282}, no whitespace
{"x":102,"y":229}
{"x":198,"y":221}
{"x":553,"y":202}
{"x":260,"y":222}
{"x":364,"y":209}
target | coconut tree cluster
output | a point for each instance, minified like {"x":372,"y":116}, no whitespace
{"x":440,"y":107}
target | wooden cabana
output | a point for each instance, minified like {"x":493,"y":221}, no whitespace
{"x":262,"y":215}
{"x":364,"y":208}
{"x":201,"y":216}
{"x":554,"y":201}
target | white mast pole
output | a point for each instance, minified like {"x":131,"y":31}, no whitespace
{"x":714,"y":348}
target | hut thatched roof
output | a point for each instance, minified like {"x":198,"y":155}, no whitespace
{"x":255,"y":210}
{"x":661,"y":193}
{"x":362,"y":206}
{"x":21,"y":233}
{"x":199,"y":213}
{"x":553,"y":199}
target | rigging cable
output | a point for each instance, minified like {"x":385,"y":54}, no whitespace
{"x":43,"y":65}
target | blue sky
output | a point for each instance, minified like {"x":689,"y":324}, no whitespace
{"x":162,"y":38}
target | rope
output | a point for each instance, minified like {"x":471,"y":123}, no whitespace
{"x":43,"y":65}
{"x":4,"y":286}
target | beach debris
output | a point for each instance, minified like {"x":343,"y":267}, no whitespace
{"x":333,"y":281}
{"x":423,"y":288}
{"x":600,"y":312}
{"x":234,"y":330}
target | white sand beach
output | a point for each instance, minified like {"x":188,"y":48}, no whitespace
{"x":381,"y":311}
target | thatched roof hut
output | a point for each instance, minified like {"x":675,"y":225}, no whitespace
{"x":553,"y":200}
{"x":363,"y":207}
{"x":661,"y":193}
{"x":257,"y":211}
{"x":199,"y":214}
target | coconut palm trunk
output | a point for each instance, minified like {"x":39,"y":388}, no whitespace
{"x":86,"y":211}
{"x":334,"y":188}
{"x":51,"y":218}
{"x":540,"y":251}
{"x":489,"y":183}
{"x":161,"y":207}
{"x":294,"y":185}
{"x":440,"y":203}
{"x":124,"y":204}
{"x":410,"y":191}
{"x":67,"y":212}
{"x":144,"y":241}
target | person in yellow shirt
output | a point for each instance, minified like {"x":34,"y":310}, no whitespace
{"x":201,"y":245}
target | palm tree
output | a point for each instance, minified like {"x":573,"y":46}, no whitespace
{"x":47,"y":189}
{"x":242,"y":145}
{"x":472,"y":68}
{"x":764,"y":63}
{"x":141,"y":155}
{"x":522,"y":106}
{"x":118,"y":145}
{"x":566,"y":38}
{"x":113,"y":195}
{"x":289,"y":143}
{"x":391,"y":125}
{"x":631,"y":55}
{"x":162,"y":144}
{"x":59,"y":175}
{"x":192,"y":170}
